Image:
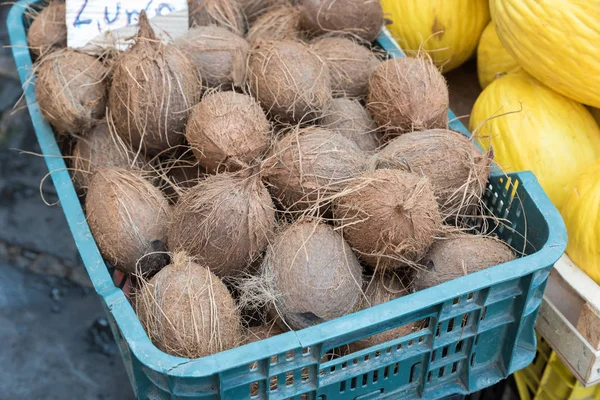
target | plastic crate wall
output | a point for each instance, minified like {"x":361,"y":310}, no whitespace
{"x":548,"y":378}
{"x":479,"y":328}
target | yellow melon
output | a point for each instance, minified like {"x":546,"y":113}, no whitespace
{"x":492,"y":58}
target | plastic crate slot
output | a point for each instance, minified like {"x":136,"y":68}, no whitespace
{"x":322,"y":397}
{"x":342,"y":386}
{"x":476,"y":340}
{"x":353,"y":383}
{"x":483,"y":311}
{"x":458,"y":346}
{"x":386,"y":372}
{"x":473,"y":360}
{"x":396,"y":368}
{"x":421,"y":339}
{"x":465,"y":320}
{"x":304,"y":396}
{"x":429,"y":374}
{"x":306,"y":351}
{"x":441,"y":372}
{"x":290,"y":355}
{"x":289,"y":378}
{"x":456,"y":300}
{"x":399,"y":347}
{"x":444,"y":351}
{"x":433,"y":353}
{"x":454,"y":367}
{"x":253,"y":366}
{"x":365,"y":379}
{"x":413,"y":372}
{"x":305,"y":374}
{"x":274,"y":360}
{"x":274,"y":381}
{"x":322,"y":372}
{"x":450,"y":325}
{"x":438,"y":330}
{"x":470,"y":296}
{"x":367,"y":357}
{"x":375,"y":376}
{"x":410,"y":343}
{"x":344,"y":364}
{"x":377,"y":354}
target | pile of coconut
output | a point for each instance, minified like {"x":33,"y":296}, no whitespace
{"x":268,"y":171}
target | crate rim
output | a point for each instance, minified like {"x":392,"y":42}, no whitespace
{"x":178,"y":367}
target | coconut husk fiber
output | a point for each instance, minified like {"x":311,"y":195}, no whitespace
{"x":225,"y":222}
{"x":100,"y":148}
{"x":71,"y":90}
{"x":408,"y":94}
{"x":179,"y":173}
{"x":228,"y":131}
{"x":456,"y":168}
{"x":48,"y":30}
{"x":459,"y":255}
{"x":350,"y":119}
{"x":309,"y":275}
{"x":128,"y":217}
{"x":253,"y":9}
{"x":350,"y":65}
{"x":380,"y":289}
{"x":219,"y":55}
{"x":289,"y":80}
{"x":361,"y":18}
{"x":390,"y":217}
{"x":187,"y":311}
{"x":307,"y":167}
{"x":225,"y":13}
{"x":153,"y":90}
{"x":262,"y":332}
{"x":281,"y":23}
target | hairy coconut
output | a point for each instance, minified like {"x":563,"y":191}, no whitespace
{"x":308,"y":166}
{"x":227,"y":131}
{"x":350,"y":119}
{"x":361,"y":18}
{"x":380,"y":289}
{"x":180,"y":173}
{"x":262,"y":332}
{"x":225,"y":221}
{"x":101,"y":149}
{"x":309,"y":275}
{"x":48,"y":30}
{"x":456,"y":168}
{"x":408,"y":94}
{"x":350,"y":65}
{"x":281,"y":23}
{"x":128,"y":217}
{"x":71,"y":90}
{"x":460,"y":255}
{"x":225,"y":13}
{"x":289,"y":80}
{"x":219,"y":55}
{"x":389,"y":216}
{"x":187,"y":311}
{"x":154,"y":87}
{"x":253,"y":9}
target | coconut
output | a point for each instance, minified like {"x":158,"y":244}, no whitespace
{"x":225,"y":13}
{"x":253,"y":9}
{"x":460,"y":255}
{"x":307,"y":167}
{"x":350,"y":119}
{"x":380,"y":289}
{"x":219,"y":55}
{"x":180,"y":173}
{"x":456,"y":168}
{"x":408,"y":94}
{"x":48,"y":30}
{"x":309,"y":275}
{"x":350,"y":65}
{"x":289,"y":80}
{"x":153,"y":89}
{"x":187,"y":311}
{"x":262,"y":332}
{"x":227,"y":131}
{"x":361,"y":18}
{"x":281,"y":23}
{"x":71,"y":90}
{"x":128,"y":218}
{"x":101,"y":149}
{"x":389,"y":216}
{"x":225,"y":221}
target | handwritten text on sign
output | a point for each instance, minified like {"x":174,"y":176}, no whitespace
{"x":109,"y":23}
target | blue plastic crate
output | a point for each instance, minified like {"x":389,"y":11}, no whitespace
{"x":479,"y":328}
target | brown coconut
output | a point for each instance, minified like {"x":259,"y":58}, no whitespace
{"x":48,"y":30}
{"x":253,"y":9}
{"x":361,"y":18}
{"x":390,"y":217}
{"x":456,"y":168}
{"x":289,"y":80}
{"x":225,"y":13}
{"x":350,"y":65}
{"x":71,"y":90}
{"x":101,"y":149}
{"x":307,"y":167}
{"x":227,"y":131}
{"x":380,"y":289}
{"x":225,"y":222}
{"x":219,"y":55}
{"x":187,"y":311}
{"x":460,"y":255}
{"x":350,"y":119}
{"x":262,"y":332}
{"x":153,"y":89}
{"x":180,"y":173}
{"x":310,"y":275}
{"x":408,"y":94}
{"x":281,"y":23}
{"x":128,"y":217}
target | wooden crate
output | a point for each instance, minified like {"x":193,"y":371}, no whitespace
{"x":569,"y":320}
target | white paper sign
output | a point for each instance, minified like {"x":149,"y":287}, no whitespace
{"x":94,"y":25}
